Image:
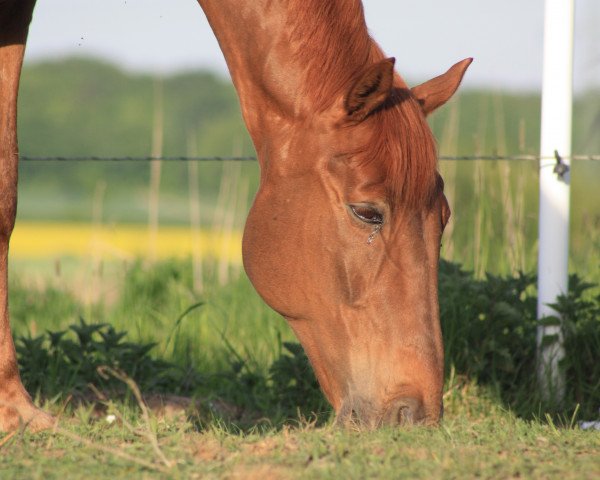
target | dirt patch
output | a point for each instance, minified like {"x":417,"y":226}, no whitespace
{"x":209,"y":450}
{"x":269,"y":446}
{"x":260,"y":472}
{"x":171,"y":407}
{"x":262,"y":448}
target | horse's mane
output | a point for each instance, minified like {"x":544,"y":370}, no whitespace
{"x":331,"y":41}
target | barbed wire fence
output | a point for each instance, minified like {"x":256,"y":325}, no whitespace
{"x":514,"y":207}
{"x":250,"y":158}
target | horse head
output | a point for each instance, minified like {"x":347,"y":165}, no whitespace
{"x":343,"y":240}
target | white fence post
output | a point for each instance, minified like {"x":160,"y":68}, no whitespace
{"x":557,"y":100}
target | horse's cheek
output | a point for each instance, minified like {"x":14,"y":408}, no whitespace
{"x":272,"y":258}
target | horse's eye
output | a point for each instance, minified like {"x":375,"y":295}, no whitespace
{"x":367,"y":214}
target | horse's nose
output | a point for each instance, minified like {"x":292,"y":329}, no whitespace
{"x":363,"y":414}
{"x":404,"y":411}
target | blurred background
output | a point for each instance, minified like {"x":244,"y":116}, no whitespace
{"x":139,"y":78}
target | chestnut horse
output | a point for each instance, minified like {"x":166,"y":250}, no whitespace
{"x":343,"y":237}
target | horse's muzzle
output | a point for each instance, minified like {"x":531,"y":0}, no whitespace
{"x":362,"y":414}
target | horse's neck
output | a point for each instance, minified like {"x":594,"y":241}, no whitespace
{"x":288,"y":58}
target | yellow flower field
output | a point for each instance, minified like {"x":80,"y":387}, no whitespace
{"x":33,"y":240}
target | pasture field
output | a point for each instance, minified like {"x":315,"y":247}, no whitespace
{"x":230,"y":394}
{"x":241,"y":401}
{"x":477,"y":440}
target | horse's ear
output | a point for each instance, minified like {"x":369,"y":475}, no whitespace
{"x":437,"y":91}
{"x":370,"y":90}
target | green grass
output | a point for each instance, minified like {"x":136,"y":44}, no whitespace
{"x":241,"y":347}
{"x":252,"y":406}
{"x":148,"y":303}
{"x":477,"y":440}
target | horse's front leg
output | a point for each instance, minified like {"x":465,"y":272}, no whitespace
{"x":15,"y":403}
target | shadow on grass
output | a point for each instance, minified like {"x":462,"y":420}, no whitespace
{"x":69,"y":364}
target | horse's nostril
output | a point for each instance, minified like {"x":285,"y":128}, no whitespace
{"x":348,"y":416}
{"x":408,"y":411}
{"x":404,"y":416}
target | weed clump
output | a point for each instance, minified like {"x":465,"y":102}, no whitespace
{"x":490,"y":329}
{"x":54,"y":363}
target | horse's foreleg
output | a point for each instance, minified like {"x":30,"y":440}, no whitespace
{"x":15,"y":404}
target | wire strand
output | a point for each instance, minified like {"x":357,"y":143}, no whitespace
{"x":249,"y":158}
{"x":93,"y":158}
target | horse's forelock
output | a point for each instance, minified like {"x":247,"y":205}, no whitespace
{"x":404,"y":150}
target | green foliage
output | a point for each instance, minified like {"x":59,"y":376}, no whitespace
{"x":64,"y":362}
{"x":227,"y":346}
{"x":154,"y":285}
{"x":490,"y":330}
{"x":489,"y":327}
{"x":69,"y":360}
{"x":209,"y":361}
{"x":294,"y":382}
{"x":46,"y":307}
{"x":580,"y":313}
{"x":78,"y":107}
